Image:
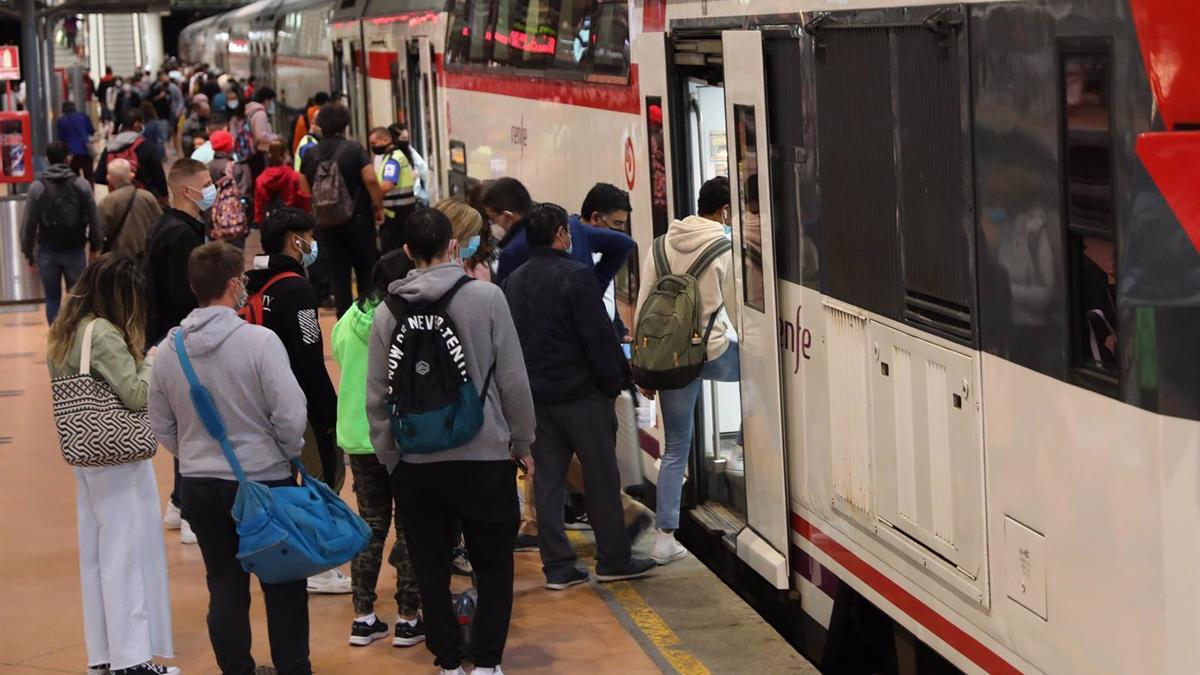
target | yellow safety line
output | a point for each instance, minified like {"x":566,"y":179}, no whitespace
{"x":649,"y":622}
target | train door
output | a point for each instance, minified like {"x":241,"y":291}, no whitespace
{"x":427,"y":117}
{"x":764,"y":543}
{"x":350,"y":64}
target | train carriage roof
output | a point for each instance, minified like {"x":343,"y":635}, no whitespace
{"x":246,"y":14}
{"x":348,"y":10}
{"x":378,"y":8}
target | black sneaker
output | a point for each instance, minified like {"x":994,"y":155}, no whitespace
{"x":577,"y":576}
{"x":148,"y":668}
{"x":526,"y":542}
{"x":630,"y":569}
{"x":576,"y":519}
{"x":407,"y":634}
{"x":266,"y":670}
{"x":363,"y":633}
{"x":101,"y":669}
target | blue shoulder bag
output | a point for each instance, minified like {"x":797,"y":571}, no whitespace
{"x":284,"y":533}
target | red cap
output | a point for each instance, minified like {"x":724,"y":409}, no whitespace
{"x":221,"y":141}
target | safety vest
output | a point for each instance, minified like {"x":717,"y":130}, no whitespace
{"x":306,"y":143}
{"x":404,"y":180}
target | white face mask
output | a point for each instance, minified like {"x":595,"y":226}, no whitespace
{"x":498,"y":232}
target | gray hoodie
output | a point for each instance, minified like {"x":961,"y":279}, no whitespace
{"x":246,"y":369}
{"x":480,"y":313}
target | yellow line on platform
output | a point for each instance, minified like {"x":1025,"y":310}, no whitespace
{"x":649,"y":622}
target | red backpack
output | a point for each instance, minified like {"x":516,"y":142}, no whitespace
{"x":129,"y":154}
{"x":252,"y":311}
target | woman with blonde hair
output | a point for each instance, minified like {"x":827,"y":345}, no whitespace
{"x":474,"y":245}
{"x":122,"y":559}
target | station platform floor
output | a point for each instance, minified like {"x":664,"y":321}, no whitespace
{"x":681,"y":620}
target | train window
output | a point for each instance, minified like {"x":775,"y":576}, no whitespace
{"x":1090,"y":219}
{"x":610,"y":47}
{"x":525,"y":33}
{"x":748,"y":207}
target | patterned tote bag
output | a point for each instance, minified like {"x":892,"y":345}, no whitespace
{"x":94,"y":426}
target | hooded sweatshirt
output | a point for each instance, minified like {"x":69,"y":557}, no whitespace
{"x":280,"y":183}
{"x":480,"y":312}
{"x":686,"y":240}
{"x":246,"y":369}
{"x":91,"y":228}
{"x":150,"y":174}
{"x":351,"y":335}
{"x":260,"y":126}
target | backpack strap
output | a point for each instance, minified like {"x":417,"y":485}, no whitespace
{"x":442,"y":302}
{"x":206,"y":409}
{"x":275,"y":279}
{"x":112,"y":239}
{"x":660,"y":256}
{"x":715,"y":250}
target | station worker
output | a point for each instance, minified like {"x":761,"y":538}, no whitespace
{"x":396,"y":178}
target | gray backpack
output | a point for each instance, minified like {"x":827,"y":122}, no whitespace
{"x":331,"y":201}
{"x":669,"y":346}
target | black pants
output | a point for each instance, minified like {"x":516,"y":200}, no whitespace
{"x":207,"y":503}
{"x":433,"y":499}
{"x":588,"y":428}
{"x":349,"y":247}
{"x":392,"y":232}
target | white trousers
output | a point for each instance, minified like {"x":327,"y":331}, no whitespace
{"x":122,"y":565}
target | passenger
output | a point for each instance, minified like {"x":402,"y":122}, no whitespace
{"x":350,"y":245}
{"x":278,"y":186}
{"x":258,"y":113}
{"x":172,"y":239}
{"x":372,"y":487}
{"x":122,"y":560}
{"x":395,"y":175}
{"x":60,"y":222}
{"x":304,"y":122}
{"x":686,"y":240}
{"x":126,"y":100}
{"x":468,"y":230}
{"x":576,"y":372}
{"x":472,"y":484}
{"x":308,"y":141}
{"x":402,"y":139}
{"x":196,"y":124}
{"x":223,"y":162}
{"x":607,"y":208}
{"x":143,"y":157}
{"x":76,"y":130}
{"x":263,"y":409}
{"x":128,"y":211}
{"x":153,"y":131}
{"x":506,"y":202}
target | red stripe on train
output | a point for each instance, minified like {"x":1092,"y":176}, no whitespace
{"x":957,"y":638}
{"x":612,"y":97}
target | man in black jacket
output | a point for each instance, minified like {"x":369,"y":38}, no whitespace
{"x":576,"y":371}
{"x":133,"y":146}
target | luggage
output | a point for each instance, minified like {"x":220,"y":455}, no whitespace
{"x":432,"y":401}
{"x":285,"y":533}
{"x":629,"y":447}
{"x":669,"y":346}
{"x":252,"y":311}
{"x":229,"y":220}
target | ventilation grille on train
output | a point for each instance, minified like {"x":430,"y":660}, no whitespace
{"x":948,"y":319}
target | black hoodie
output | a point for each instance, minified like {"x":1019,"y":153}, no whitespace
{"x":172,"y":240}
{"x":290,"y":311}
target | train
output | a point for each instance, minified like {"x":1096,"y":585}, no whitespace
{"x":968,"y":274}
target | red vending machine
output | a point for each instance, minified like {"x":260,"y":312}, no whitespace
{"x":16,"y":165}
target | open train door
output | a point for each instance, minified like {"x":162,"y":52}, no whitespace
{"x":763,"y":545}
{"x":429,"y":117}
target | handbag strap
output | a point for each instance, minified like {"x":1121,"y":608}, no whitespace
{"x":85,"y":353}
{"x":205,"y":409}
{"x":112,"y":239}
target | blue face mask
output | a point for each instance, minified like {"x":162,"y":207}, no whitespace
{"x":208,"y":197}
{"x":728,"y":230}
{"x":470,"y":249}
{"x":310,"y":257}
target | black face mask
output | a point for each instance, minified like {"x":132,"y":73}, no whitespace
{"x":379,"y":149}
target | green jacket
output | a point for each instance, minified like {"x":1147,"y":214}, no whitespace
{"x":112,"y":361}
{"x":350,"y":336}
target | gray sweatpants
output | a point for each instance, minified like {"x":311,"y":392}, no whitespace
{"x":586,"y":427}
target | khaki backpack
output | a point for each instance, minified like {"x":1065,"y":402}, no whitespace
{"x":331,"y":200}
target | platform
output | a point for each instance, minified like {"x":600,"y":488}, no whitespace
{"x":683,"y":620}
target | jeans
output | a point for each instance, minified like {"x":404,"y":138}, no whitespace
{"x":207,"y":503}
{"x":679,"y":418}
{"x":434,"y":499}
{"x":53,"y":267}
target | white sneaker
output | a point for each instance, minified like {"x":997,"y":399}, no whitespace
{"x":172,"y":518}
{"x":736,"y":466}
{"x":487,"y":671}
{"x":186,"y":536}
{"x":456,"y":671}
{"x":332,"y":582}
{"x":666,"y":549}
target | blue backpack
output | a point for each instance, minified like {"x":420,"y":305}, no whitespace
{"x":432,"y":402}
{"x":284,"y":533}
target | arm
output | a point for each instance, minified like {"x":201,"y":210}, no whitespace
{"x":377,"y":387}
{"x":162,"y":415}
{"x":151,"y":169}
{"x":391,"y":174}
{"x":91,"y":129}
{"x":100,"y":176}
{"x":303,"y":200}
{"x":614,"y":248}
{"x":595,"y":331}
{"x":300,"y":333}
{"x":29,"y":222}
{"x":180,"y":301}
{"x":511,"y":379}
{"x":511,"y":257}
{"x":92,"y":212}
{"x":287,"y":409}
{"x":372,"y":184}
{"x":112,"y":360}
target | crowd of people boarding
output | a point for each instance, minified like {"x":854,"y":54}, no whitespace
{"x":479,"y":345}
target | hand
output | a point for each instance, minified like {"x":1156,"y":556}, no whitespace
{"x":648,"y":393}
{"x":93,"y":256}
{"x":628,"y":339}
{"x":153,"y":350}
{"x":528,"y":460}
{"x":379,"y":215}
{"x":32,"y":265}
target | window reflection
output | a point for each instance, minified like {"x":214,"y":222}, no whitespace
{"x":748,"y":206}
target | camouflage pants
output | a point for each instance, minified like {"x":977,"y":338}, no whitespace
{"x":372,"y":488}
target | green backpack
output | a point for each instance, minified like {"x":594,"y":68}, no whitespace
{"x":669,"y":349}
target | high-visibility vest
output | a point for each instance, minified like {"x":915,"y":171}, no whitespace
{"x":402,"y":194}
{"x":308,"y":142}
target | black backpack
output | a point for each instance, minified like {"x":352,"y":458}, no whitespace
{"x":432,"y":402}
{"x":60,"y":215}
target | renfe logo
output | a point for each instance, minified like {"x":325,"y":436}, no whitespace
{"x":796,"y":339}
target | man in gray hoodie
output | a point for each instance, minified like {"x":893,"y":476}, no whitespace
{"x":264,"y":411}
{"x":473,"y":484}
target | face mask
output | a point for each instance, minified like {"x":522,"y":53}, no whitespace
{"x":470,"y":249}
{"x":233,"y":104}
{"x":379,"y":149}
{"x":271,"y":108}
{"x":208,"y":197}
{"x":241,"y":298}
{"x":728,"y":230}
{"x":498,"y":232}
{"x":310,"y":257}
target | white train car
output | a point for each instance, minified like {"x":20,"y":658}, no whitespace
{"x":970,"y":391}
